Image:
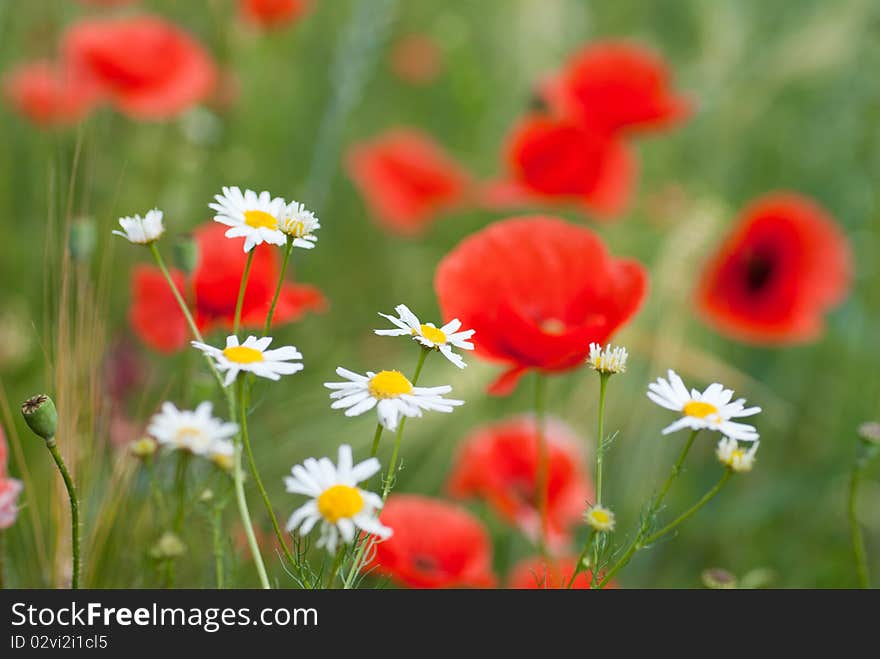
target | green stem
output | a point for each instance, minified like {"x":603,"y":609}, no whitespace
{"x":858,"y":542}
{"x":236,"y":322}
{"x":579,"y":565}
{"x":216,"y":523}
{"x":244,"y":513}
{"x":652,"y":510}
{"x":186,"y":313}
{"x":180,"y":490}
{"x":279,"y":287}
{"x":690,"y":511}
{"x":74,"y":507}
{"x":423,"y":355}
{"x":334,"y":570}
{"x":543,"y":470}
{"x":378,"y":436}
{"x":600,"y":450}
{"x":242,"y":408}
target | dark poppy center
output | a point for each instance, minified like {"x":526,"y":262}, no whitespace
{"x":424,"y":563}
{"x":759,"y":272}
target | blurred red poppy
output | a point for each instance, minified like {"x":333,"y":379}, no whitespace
{"x":616,"y":86}
{"x":557,"y":160}
{"x":784,"y":266}
{"x":49,"y":94}
{"x":214,"y":285}
{"x":499,"y":463}
{"x":10,"y":488}
{"x":538,"y":291}
{"x":416,"y":59}
{"x":435,"y":544}
{"x":406,"y":179}
{"x":536,"y":573}
{"x":273,"y":13}
{"x":148,"y":67}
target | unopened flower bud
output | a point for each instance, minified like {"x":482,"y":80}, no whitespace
{"x":718,"y":579}
{"x":41,"y":416}
{"x":143,"y":448}
{"x":207,"y":495}
{"x":870,"y":432}
{"x":82,"y":239}
{"x":168,"y":546}
{"x":186,"y":253}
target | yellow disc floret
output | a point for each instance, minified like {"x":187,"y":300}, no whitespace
{"x":340,"y":502}
{"x":432,"y":334}
{"x":699,"y":409}
{"x":260,"y":219}
{"x":243,"y":355}
{"x":389,"y":384}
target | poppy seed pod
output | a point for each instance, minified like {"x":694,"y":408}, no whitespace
{"x":41,"y":416}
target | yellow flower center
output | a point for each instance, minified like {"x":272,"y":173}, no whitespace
{"x":260,"y":219}
{"x":340,"y":501}
{"x":600,"y":516}
{"x":389,"y":384}
{"x":698,"y":409}
{"x":187,"y":433}
{"x":553,"y":326}
{"x":243,"y":355}
{"x":432,"y":334}
{"x":736,"y":455}
{"x":295,"y":228}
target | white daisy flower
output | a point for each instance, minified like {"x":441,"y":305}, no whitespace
{"x":390,"y":392}
{"x":300,"y":224}
{"x":733,"y":457}
{"x":443,"y":338}
{"x":711,"y":410}
{"x":222,"y":454}
{"x":599,"y":518}
{"x":252,"y":356}
{"x":142,"y":230}
{"x":336,"y":501}
{"x":195,"y":431}
{"x":609,"y":361}
{"x":257,"y":217}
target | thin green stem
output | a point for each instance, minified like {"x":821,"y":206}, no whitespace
{"x":858,"y":542}
{"x":280,"y":285}
{"x":74,"y":508}
{"x":242,"y":408}
{"x":244,"y":512}
{"x":236,"y":322}
{"x":184,"y":308}
{"x":637,"y":542}
{"x":543,"y":468}
{"x":423,"y":355}
{"x":376,"y":437}
{"x":579,"y":565}
{"x":690,"y":511}
{"x":600,"y":450}
{"x":337,"y":563}
{"x":216,"y":527}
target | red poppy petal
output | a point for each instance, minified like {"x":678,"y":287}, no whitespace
{"x":155,"y":315}
{"x":506,"y":383}
{"x":616,"y":183}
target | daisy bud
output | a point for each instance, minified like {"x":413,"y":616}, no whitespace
{"x":82,"y":239}
{"x":600,"y":518}
{"x":41,"y":416}
{"x":143,"y":448}
{"x":733,"y":457}
{"x":609,"y":361}
{"x":207,"y":495}
{"x":718,"y":579}
{"x":185,"y":253}
{"x":167,"y":547}
{"x":870,"y":432}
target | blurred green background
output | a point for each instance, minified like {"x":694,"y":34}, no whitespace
{"x":788,"y":97}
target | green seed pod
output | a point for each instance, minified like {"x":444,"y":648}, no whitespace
{"x":41,"y":416}
{"x":186,"y":253}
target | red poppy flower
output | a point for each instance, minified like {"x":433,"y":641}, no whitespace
{"x":273,"y":13}
{"x":783,"y":267}
{"x":499,"y":463}
{"x":10,"y":488}
{"x":538,"y":291}
{"x":435,"y":544}
{"x":416,"y":59}
{"x":406,"y":179}
{"x":557,"y":160}
{"x":614,"y":86}
{"x":536,"y":573}
{"x":50,"y":95}
{"x":148,"y":67}
{"x":214,"y":285}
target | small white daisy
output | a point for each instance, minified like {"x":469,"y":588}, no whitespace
{"x":195,"y":431}
{"x":300,"y":224}
{"x":390,"y":392}
{"x":609,"y":361}
{"x":252,"y":356}
{"x":733,"y":457}
{"x":336,"y":501}
{"x":599,"y":518}
{"x":442,"y":338}
{"x":142,"y":230}
{"x":711,"y":410}
{"x":256,"y":217}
